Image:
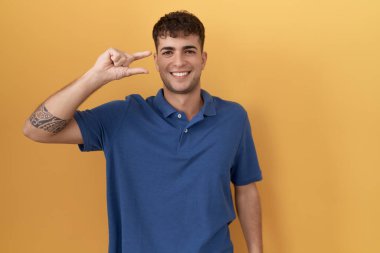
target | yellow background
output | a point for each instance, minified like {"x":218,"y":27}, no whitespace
{"x":307,"y":72}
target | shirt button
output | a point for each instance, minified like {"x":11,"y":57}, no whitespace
{"x":186,"y":130}
{"x":179,"y":115}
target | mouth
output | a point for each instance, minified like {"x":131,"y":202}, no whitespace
{"x":181,"y":74}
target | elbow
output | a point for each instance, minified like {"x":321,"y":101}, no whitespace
{"x":26,"y":130}
{"x":29,"y":131}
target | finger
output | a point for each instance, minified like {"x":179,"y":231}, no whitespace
{"x":122,"y":61}
{"x":135,"y":56}
{"x":115,"y":57}
{"x":135,"y":71}
{"x":140,"y":55}
{"x":114,"y":54}
{"x":128,"y":60}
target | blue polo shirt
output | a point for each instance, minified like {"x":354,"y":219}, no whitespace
{"x":168,"y":178}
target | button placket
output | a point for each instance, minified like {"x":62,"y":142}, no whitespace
{"x":186,"y":128}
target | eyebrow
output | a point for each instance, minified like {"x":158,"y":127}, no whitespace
{"x":184,"y":48}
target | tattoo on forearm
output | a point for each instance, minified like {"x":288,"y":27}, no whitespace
{"x":43,"y":119}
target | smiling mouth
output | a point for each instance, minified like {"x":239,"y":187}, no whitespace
{"x":180,"y":74}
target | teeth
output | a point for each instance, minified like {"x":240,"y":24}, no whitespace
{"x":180,"y":73}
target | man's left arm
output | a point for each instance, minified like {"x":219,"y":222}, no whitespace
{"x":247,"y":201}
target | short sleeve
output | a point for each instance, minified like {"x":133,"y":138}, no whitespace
{"x":98,"y":124}
{"x":245,"y":168}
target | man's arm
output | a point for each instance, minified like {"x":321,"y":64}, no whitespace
{"x":247,"y":201}
{"x":53,"y":121}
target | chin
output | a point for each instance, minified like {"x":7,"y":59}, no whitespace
{"x":178,"y":89}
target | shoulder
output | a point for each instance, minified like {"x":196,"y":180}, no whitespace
{"x":230,"y":108}
{"x":106,"y":107}
{"x":135,"y":99}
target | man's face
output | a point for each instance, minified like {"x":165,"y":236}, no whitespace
{"x":180,"y":62}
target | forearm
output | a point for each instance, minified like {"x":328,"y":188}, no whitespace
{"x":64,"y":103}
{"x":249,"y":213}
{"x":53,"y":114}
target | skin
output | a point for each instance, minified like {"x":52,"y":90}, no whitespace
{"x":248,"y":207}
{"x":181,"y":54}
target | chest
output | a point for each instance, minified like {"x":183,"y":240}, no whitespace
{"x":161,"y":149}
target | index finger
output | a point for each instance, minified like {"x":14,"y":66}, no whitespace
{"x":140,"y":55}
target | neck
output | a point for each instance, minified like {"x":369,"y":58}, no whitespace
{"x":189,"y":103}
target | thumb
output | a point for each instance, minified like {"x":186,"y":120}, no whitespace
{"x":135,"y":71}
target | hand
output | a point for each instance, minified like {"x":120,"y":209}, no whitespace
{"x":114,"y":64}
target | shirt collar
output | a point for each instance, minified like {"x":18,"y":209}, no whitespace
{"x":167,"y":109}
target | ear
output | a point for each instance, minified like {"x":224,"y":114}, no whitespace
{"x":155,"y":60}
{"x":204,"y":59}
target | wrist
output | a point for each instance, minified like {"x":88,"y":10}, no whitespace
{"x":93,"y":79}
{"x":255,"y":249}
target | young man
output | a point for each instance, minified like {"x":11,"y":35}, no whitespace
{"x":170,"y":157}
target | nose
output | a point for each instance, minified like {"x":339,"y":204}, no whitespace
{"x":179,"y":60}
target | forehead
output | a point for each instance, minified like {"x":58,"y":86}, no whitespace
{"x":179,"y":42}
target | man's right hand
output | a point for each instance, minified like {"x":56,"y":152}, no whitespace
{"x":113,"y":64}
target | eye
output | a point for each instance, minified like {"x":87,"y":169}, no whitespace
{"x":167,"y":53}
{"x":190,"y":52}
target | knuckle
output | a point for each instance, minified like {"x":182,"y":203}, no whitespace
{"x":116,"y":57}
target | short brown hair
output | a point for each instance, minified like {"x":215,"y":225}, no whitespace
{"x":175,"y":23}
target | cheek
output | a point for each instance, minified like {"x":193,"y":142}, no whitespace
{"x":162,"y":69}
{"x":161,"y":65}
{"x":158,"y":66}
